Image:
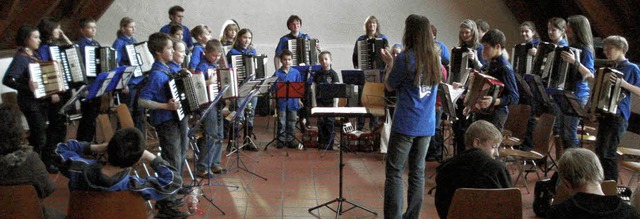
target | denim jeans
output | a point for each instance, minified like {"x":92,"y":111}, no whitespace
{"x":567,"y":126}
{"x":401,"y":149}
{"x":610,"y":130}
{"x":211,"y":149}
{"x":170,"y":139}
{"x":252,"y":109}
{"x":286,"y":133}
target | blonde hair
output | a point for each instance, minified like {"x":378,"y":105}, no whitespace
{"x":483,"y":131}
{"x":471,"y":25}
{"x":228,"y":24}
{"x":580,"y":167}
{"x":372,"y":19}
{"x":617,"y":41}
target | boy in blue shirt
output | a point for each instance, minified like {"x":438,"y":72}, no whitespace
{"x":499,"y":68}
{"x":176,"y":14}
{"x":294,"y":23}
{"x":611,"y":128}
{"x":156,"y":97}
{"x":287,"y":108}
{"x":90,"y":109}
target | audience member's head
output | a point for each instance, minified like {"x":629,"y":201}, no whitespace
{"x":483,"y":135}
{"x":580,"y":168}
{"x":126,"y":147}
{"x":11,"y":129}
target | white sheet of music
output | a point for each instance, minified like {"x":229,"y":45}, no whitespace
{"x":339,"y":110}
{"x":455,"y":93}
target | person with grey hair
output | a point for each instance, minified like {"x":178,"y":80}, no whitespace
{"x":581,"y":172}
{"x":473,"y":168}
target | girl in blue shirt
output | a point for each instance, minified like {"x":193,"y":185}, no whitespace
{"x":125,"y":37}
{"x":556,"y":31}
{"x":202,"y":34}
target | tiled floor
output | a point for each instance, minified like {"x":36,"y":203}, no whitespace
{"x":296,"y":181}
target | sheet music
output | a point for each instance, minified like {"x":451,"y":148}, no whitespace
{"x":339,"y":110}
{"x":244,"y":90}
{"x":266,"y":85}
{"x":455,"y":93}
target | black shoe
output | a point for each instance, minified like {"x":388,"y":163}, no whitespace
{"x":204,"y":174}
{"x":250,"y":148}
{"x":171,"y":212}
{"x":218,"y":170}
{"x":184,"y":190}
{"x":52,"y":169}
{"x":279,"y":145}
{"x":292,"y":144}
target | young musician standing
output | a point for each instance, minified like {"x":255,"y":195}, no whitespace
{"x":556,"y":31}
{"x":578,"y":32}
{"x":179,"y":52}
{"x":229,"y":32}
{"x":17,"y":77}
{"x":176,"y":31}
{"x":211,"y":145}
{"x":294,"y":23}
{"x":611,"y":128}
{"x":90,"y":109}
{"x":155,"y":96}
{"x":483,"y":27}
{"x":499,"y":68}
{"x":176,"y":14}
{"x":202,"y":34}
{"x":470,"y":38}
{"x":529,"y":33}
{"x":52,"y":35}
{"x":287,"y":108}
{"x":414,"y":75}
{"x":326,"y":129}
{"x":444,"y":51}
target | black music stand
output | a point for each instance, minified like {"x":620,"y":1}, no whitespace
{"x":243,"y":91}
{"x":569,"y":106}
{"x":192,"y":138}
{"x":286,"y":90}
{"x":335,"y":91}
{"x":235,"y":149}
{"x":340,"y":112}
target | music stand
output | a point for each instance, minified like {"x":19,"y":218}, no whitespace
{"x":192,"y":138}
{"x":234,"y":143}
{"x":287,"y":90}
{"x":335,"y":91}
{"x":243,"y":91}
{"x":340,"y":112}
{"x":569,"y":106}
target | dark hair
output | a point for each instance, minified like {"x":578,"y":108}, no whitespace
{"x":285,"y":52}
{"x":213,"y":45}
{"x":581,"y":28}
{"x":482,"y":25}
{"x":157,"y":42}
{"x":175,"y":28}
{"x":532,"y":27}
{"x":494,"y":37}
{"x":84,"y":22}
{"x":325,"y":53}
{"x":175,"y":9}
{"x":11,"y":129}
{"x":199,"y":30}
{"x":123,"y":23}
{"x":240,"y":33}
{"x":46,"y":27}
{"x":23,"y":35}
{"x":126,"y":147}
{"x":418,"y":39}
{"x":293,"y":18}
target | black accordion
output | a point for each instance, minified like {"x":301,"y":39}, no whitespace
{"x":607,"y":95}
{"x":520,"y":58}
{"x":369,"y":55}
{"x":553,"y":70}
{"x":99,"y":59}
{"x":48,"y":77}
{"x":249,"y":66}
{"x":139,"y":55}
{"x":71,"y":60}
{"x":459,"y":66}
{"x":304,"y":51}
{"x":183,"y":91}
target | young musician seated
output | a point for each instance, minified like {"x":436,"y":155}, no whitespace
{"x":176,"y":14}
{"x":493,"y":42}
{"x":287,"y":108}
{"x":326,"y":129}
{"x":473,"y":168}
{"x":19,"y":164}
{"x":581,"y":172}
{"x":156,"y":97}
{"x":612,"y":128}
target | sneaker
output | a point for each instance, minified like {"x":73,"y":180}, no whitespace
{"x":218,"y":170}
{"x":171,"y":212}
{"x":203,"y":174}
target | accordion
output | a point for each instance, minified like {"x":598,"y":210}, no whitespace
{"x":543,"y":59}
{"x":71,"y":60}
{"x":369,"y":56}
{"x":607,"y":95}
{"x":459,"y":65}
{"x":99,"y":59}
{"x":139,"y":55}
{"x":304,"y":51}
{"x":521,"y":60}
{"x":48,"y":77}
{"x":228,"y":77}
{"x":182,"y":90}
{"x":564,"y":75}
{"x":482,"y":85}
{"x":249,"y":67}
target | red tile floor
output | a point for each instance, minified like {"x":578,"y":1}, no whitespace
{"x":298,"y":180}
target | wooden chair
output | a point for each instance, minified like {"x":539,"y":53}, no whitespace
{"x":20,"y":201}
{"x":116,"y":205}
{"x":630,"y":160}
{"x":486,"y":203}
{"x":542,"y":142}
{"x":515,"y":128}
{"x":373,"y":98}
{"x":609,"y":187}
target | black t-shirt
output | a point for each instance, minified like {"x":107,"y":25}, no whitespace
{"x":325,"y":77}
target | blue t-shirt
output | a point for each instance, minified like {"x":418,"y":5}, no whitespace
{"x":501,"y":69}
{"x":205,"y":66}
{"x":444,"y":53}
{"x":354,"y":57}
{"x":173,"y":67}
{"x":534,"y":42}
{"x":284,"y":42}
{"x":157,"y":90}
{"x":416,"y":106}
{"x":586,"y":58}
{"x":83,"y":41}
{"x":186,"y":34}
{"x":17,"y":77}
{"x":121,"y":52}
{"x":43,"y":52}
{"x":479,"y":54}
{"x":562,"y":42}
{"x":239,"y":51}
{"x":293,"y":76}
{"x":196,"y":56}
{"x":632,"y":76}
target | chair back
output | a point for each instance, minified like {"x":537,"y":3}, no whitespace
{"x":20,"y":201}
{"x":104,"y":130}
{"x":10,"y":98}
{"x":486,"y":203}
{"x":124,"y":116}
{"x":517,"y":120}
{"x":373,"y":98}
{"x":116,"y":205}
{"x":609,"y":187}
{"x":543,"y":133}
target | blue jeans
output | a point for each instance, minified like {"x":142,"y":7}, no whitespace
{"x":252,"y":109}
{"x":567,"y":126}
{"x":415,"y":149}
{"x":211,"y":150}
{"x":610,"y":130}
{"x":286,"y":133}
